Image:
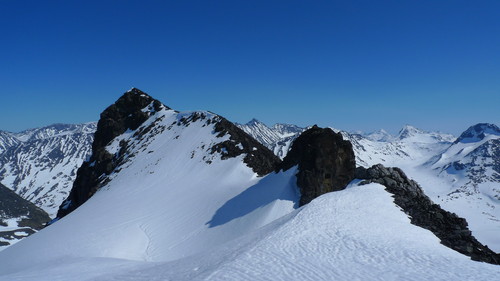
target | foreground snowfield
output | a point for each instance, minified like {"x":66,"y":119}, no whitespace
{"x":355,"y":234}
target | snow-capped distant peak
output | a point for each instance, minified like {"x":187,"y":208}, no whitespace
{"x":478,"y":132}
{"x":409,"y":131}
{"x":380,"y":135}
{"x":286,"y":130}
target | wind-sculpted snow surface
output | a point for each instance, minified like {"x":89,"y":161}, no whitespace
{"x":354,"y":234}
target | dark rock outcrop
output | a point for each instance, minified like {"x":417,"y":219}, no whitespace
{"x":126,"y":113}
{"x":28,"y":215}
{"x":451,"y":229}
{"x":14,"y":206}
{"x":325,"y":162}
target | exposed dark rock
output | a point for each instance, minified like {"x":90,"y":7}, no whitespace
{"x":451,"y":229}
{"x":126,"y":113}
{"x":257,"y":156}
{"x":325,"y":162}
{"x":14,"y":206}
{"x":28,"y":215}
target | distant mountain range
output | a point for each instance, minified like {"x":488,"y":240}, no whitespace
{"x":462,"y":174}
{"x":40,"y":164}
{"x":204,"y":198}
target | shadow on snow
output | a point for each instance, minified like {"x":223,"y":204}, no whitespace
{"x":280,"y":186}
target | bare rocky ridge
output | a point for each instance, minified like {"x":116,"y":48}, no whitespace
{"x":451,"y":229}
{"x":257,"y":156}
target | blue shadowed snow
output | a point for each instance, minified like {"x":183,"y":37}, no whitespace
{"x":280,"y":186}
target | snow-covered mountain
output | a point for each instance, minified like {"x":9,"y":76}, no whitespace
{"x":7,"y":140}
{"x":170,"y":195}
{"x":380,"y":135}
{"x":40,"y":164}
{"x":277,"y":138}
{"x":461,"y":174}
{"x":18,"y":217}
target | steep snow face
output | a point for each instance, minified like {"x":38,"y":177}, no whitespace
{"x":172,"y":196}
{"x":357,"y":233}
{"x":42,"y":166}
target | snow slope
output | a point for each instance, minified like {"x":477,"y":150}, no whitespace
{"x":354,"y":234}
{"x":170,"y":198}
{"x":462,"y":175}
{"x":176,"y":209}
{"x":42,"y":165}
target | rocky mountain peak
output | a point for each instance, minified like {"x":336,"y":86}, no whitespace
{"x":113,"y":145}
{"x":478,"y":132}
{"x":128,"y":112}
{"x":325,"y":162}
{"x":286,"y":130}
{"x":254,"y":122}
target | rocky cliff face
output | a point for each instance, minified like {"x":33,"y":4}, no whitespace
{"x":451,"y":229}
{"x":325,"y":162}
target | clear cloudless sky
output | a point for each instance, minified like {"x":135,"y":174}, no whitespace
{"x":352,"y":65}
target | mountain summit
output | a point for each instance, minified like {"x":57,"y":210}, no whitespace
{"x":478,"y":132}
{"x":135,"y":120}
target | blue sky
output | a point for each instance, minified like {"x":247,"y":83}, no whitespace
{"x":353,"y":65}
